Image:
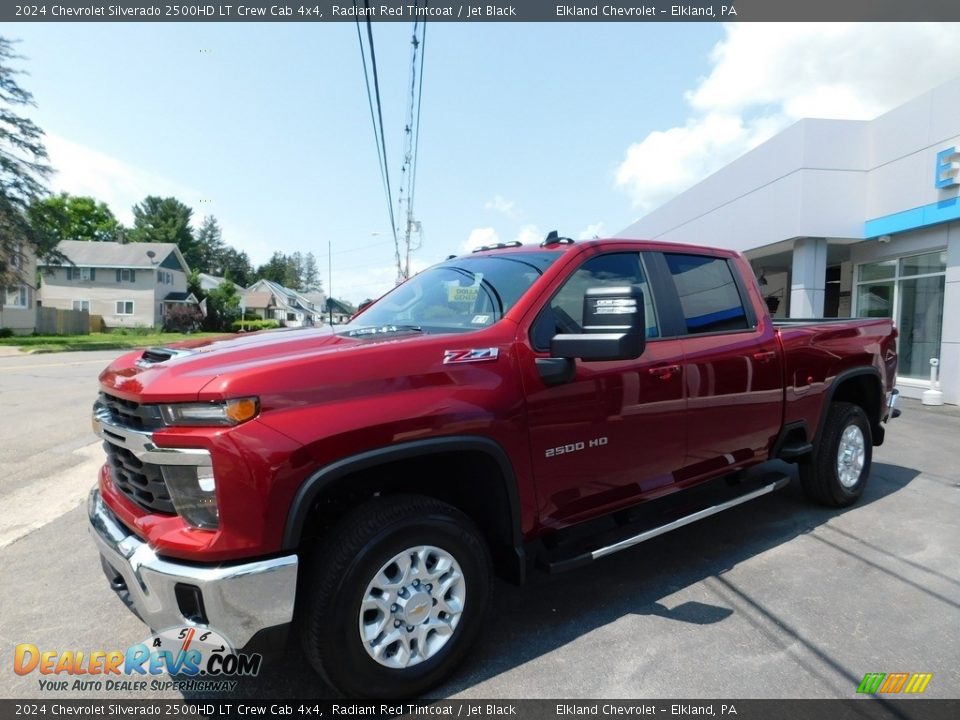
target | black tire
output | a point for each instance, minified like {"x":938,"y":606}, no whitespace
{"x":819,"y":477}
{"x":347,"y":560}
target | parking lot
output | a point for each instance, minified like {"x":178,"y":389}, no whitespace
{"x":776,"y":598}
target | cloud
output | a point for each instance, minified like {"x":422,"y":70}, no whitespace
{"x":530,"y":235}
{"x":764,"y":77}
{"x":591,"y":231}
{"x":479,"y":237}
{"x":503,"y":206}
{"x":81,"y":170}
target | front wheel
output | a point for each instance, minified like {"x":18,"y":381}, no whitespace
{"x":837,"y":473}
{"x":396,"y":595}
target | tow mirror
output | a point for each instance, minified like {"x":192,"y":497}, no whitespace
{"x":614,"y":327}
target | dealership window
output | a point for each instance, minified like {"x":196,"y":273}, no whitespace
{"x":17,"y":296}
{"x":910,"y":290}
{"x":124,"y":307}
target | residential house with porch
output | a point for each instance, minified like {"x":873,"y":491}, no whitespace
{"x":273,"y":301}
{"x":128,"y":285}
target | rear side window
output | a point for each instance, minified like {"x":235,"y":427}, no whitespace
{"x":708,"y":293}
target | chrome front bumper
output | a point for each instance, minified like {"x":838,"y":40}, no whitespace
{"x":238,"y":600}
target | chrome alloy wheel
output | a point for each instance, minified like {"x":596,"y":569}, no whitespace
{"x":851,"y":454}
{"x":412,"y":606}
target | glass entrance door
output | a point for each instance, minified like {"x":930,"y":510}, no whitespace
{"x":909,"y":289}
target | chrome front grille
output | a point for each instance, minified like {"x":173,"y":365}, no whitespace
{"x":129,"y":414}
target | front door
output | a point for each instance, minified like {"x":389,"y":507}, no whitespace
{"x":615,"y":432}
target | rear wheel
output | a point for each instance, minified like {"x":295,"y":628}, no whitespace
{"x":837,"y":473}
{"x":395,"y":597}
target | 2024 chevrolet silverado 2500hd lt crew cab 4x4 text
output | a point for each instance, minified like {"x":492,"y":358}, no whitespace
{"x":516,"y":408}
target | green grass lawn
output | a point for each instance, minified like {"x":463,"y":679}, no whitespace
{"x":97,"y":341}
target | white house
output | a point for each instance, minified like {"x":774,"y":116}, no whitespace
{"x":128,"y":285}
{"x":273,"y":301}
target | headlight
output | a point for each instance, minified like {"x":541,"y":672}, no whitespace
{"x":225,"y":412}
{"x":193,"y":490}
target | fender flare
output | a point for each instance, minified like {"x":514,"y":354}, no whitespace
{"x":326,"y":476}
{"x":838,"y":380}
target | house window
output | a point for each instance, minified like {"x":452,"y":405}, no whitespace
{"x":910,"y":290}
{"x":17,"y":296}
{"x":88,"y":274}
{"x":16,"y":259}
{"x":124,"y":307}
{"x":126,"y":275}
{"x":81,"y":305}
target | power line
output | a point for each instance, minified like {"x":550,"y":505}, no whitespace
{"x":411,"y":142}
{"x":416,"y":141}
{"x":380,"y":139}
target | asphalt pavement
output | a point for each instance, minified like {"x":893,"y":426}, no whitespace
{"x":776,"y":598}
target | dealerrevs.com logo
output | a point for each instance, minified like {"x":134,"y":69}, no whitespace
{"x":196,"y":659}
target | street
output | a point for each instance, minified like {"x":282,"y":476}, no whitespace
{"x":775,"y":598}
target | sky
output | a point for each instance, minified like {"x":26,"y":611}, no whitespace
{"x":525,"y":128}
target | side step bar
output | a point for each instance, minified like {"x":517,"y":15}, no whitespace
{"x":584,"y":558}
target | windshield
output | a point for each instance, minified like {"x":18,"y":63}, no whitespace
{"x":462,"y":294}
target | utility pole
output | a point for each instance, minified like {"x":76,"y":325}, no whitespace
{"x":330,"y":281}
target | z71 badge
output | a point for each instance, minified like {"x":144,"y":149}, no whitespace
{"x":575,"y":447}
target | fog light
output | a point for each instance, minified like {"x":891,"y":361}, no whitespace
{"x":193,"y":491}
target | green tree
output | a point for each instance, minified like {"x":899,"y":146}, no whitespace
{"x":235,"y":265}
{"x":311,"y":274}
{"x":209,"y":247}
{"x":165,"y":220}
{"x":223,"y":307}
{"x":293,"y":278}
{"x":73,"y":217}
{"x":23,"y":171}
{"x":275,"y":269}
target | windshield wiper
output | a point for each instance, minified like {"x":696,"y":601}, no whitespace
{"x":382,"y":329}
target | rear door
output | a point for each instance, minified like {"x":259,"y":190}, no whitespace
{"x":732,"y":364}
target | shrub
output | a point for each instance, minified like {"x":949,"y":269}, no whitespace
{"x":183,"y":318}
{"x":6,"y":332}
{"x":253,"y":325}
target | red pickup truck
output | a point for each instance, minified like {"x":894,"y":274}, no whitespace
{"x":515,"y":408}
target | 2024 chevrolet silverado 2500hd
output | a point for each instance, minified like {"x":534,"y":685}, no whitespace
{"x":514,"y":408}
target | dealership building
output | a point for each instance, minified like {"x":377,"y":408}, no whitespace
{"x":842,"y":217}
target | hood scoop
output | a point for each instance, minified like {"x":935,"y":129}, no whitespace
{"x":154,"y":355}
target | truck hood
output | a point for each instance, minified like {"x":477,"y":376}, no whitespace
{"x":178,"y":372}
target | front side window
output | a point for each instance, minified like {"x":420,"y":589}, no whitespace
{"x":708,"y":293}
{"x":564,"y":314}
{"x":124,"y":307}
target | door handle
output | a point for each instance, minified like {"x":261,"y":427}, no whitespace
{"x":764,"y":356}
{"x":664,"y":372}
